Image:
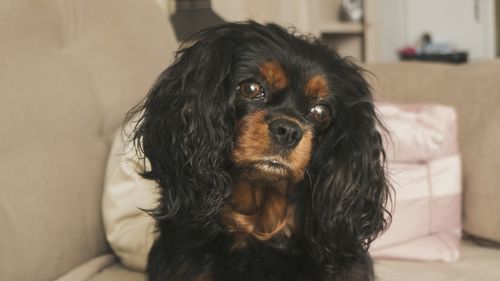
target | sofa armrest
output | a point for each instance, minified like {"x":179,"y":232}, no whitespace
{"x":473,"y":89}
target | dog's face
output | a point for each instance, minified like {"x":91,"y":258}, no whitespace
{"x":283,"y":109}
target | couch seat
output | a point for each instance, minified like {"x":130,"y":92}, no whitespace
{"x":116,"y":272}
{"x":475,"y":264}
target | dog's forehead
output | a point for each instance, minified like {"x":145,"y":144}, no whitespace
{"x":274,"y":75}
{"x":279,"y":76}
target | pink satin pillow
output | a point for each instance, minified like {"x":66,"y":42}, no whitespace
{"x":425,"y":169}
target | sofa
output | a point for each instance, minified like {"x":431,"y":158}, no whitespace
{"x":70,"y":70}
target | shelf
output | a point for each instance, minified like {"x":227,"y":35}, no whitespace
{"x":340,"y":28}
{"x":349,"y":38}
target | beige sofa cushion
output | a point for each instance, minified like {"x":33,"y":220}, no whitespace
{"x":69,"y":70}
{"x":119,"y":273}
{"x":129,"y":229}
{"x":476,"y":263}
{"x":473,"y":89}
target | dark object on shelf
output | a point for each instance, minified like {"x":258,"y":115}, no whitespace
{"x":455,"y":57}
{"x":431,"y":51}
{"x":191,"y":16}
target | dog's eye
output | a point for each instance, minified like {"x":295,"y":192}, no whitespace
{"x":320,"y":113}
{"x":251,"y":90}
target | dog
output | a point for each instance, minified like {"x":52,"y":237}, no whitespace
{"x":265,"y":145}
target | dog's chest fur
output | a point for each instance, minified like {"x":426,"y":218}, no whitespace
{"x":259,"y":211}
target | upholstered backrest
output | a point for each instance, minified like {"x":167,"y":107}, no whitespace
{"x":69,"y":70}
{"x":474,"y":90}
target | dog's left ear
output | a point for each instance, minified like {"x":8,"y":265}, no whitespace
{"x":346,"y":206}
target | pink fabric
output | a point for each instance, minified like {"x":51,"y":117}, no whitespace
{"x":425,"y":170}
{"x":419,"y":132}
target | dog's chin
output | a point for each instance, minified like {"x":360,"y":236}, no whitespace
{"x":267,"y":169}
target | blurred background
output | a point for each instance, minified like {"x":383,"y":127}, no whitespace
{"x":371,"y":31}
{"x":71,"y":69}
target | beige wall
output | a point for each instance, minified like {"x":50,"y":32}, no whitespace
{"x":284,"y":12}
{"x":162,"y":4}
{"x":497,"y":15}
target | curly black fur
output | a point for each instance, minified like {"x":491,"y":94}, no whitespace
{"x":187,"y":128}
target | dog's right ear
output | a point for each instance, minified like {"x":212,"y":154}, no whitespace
{"x":185,"y":129}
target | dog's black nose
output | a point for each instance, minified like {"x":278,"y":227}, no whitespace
{"x":286,"y":132}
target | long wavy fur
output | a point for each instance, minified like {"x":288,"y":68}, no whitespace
{"x":185,"y":129}
{"x":349,"y":189}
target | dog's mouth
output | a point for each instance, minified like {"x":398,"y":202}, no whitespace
{"x":273,"y":165}
{"x":269,"y":168}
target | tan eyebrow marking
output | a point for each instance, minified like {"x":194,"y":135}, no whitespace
{"x":274,"y":75}
{"x":316,"y":87}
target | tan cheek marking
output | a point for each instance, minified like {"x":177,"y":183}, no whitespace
{"x":299,"y":159}
{"x":275,"y":75}
{"x":252,"y":140}
{"x":316,"y":87}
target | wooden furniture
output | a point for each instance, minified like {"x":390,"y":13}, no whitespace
{"x":356,"y":39}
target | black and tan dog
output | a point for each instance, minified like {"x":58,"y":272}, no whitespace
{"x":266,"y":150}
